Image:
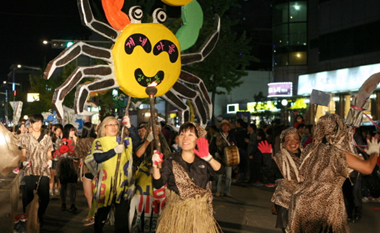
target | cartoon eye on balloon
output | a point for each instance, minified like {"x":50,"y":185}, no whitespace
{"x":142,"y":54}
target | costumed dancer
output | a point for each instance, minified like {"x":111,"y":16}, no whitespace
{"x":83,"y":147}
{"x":317,"y":204}
{"x":36,"y":155}
{"x":148,"y":201}
{"x":287,"y":160}
{"x":68,"y":165}
{"x":187,"y":173}
{"x":112,"y":164}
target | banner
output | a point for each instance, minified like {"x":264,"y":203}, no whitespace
{"x":69,"y":117}
{"x":17,"y":108}
{"x":50,"y":117}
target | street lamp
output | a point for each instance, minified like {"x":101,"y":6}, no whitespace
{"x":19,"y":69}
{"x":16,"y":68}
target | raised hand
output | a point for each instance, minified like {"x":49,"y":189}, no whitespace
{"x":119,"y":149}
{"x":126,"y":121}
{"x":149,"y":138}
{"x":202,"y":151}
{"x":265,"y":147}
{"x":373,"y":146}
{"x":157,"y":158}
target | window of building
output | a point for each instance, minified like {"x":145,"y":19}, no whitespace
{"x":298,"y":58}
{"x":297,"y":11}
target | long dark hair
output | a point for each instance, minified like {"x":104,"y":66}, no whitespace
{"x":88,"y":130}
{"x":66,"y":130}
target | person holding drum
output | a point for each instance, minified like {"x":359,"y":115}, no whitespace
{"x":221,"y":141}
{"x":187,"y":174}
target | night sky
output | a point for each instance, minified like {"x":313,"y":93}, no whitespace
{"x":25,"y":24}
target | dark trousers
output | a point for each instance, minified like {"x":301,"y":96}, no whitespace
{"x":353,"y":197}
{"x":43,"y":193}
{"x":268,"y":173}
{"x":255,"y":169}
{"x":121,"y":217}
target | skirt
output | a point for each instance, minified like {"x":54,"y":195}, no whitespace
{"x":191,"y":215}
{"x":66,"y":171}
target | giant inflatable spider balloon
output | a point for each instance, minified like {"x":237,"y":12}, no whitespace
{"x":142,"y":54}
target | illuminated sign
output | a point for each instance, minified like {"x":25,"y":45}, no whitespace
{"x":280,"y":89}
{"x":253,"y":107}
{"x":342,"y":80}
{"x":32,"y":97}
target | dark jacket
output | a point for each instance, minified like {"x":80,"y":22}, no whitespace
{"x":199,"y":171}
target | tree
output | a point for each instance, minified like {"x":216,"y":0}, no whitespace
{"x":46,"y":90}
{"x":225,"y":66}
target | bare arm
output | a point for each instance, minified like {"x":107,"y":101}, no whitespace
{"x":156,"y":173}
{"x":23,"y":155}
{"x":362,"y":166}
{"x":50,"y":157}
{"x":215,"y":164}
{"x":142,"y":148}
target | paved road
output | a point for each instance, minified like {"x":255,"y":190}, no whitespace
{"x":247,"y":211}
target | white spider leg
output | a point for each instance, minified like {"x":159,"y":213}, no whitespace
{"x":95,"y":25}
{"x":201,"y":107}
{"x":207,"y":47}
{"x":84,"y":90}
{"x":174,"y":99}
{"x":77,"y":49}
{"x":189,"y":78}
{"x":101,"y":72}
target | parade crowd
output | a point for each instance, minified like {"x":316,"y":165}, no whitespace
{"x":142,"y":183}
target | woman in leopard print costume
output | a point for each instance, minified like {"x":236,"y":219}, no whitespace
{"x":317,"y":203}
{"x":187,"y":174}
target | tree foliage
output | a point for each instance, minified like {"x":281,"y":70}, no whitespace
{"x":46,"y":90}
{"x":222,"y":70}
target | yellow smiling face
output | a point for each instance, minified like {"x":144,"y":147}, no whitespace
{"x":146,"y":53}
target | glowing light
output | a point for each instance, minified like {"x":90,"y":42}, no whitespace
{"x":298,"y":55}
{"x":297,"y":7}
{"x":153,"y":84}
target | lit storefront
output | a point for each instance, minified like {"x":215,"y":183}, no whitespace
{"x":341,"y":84}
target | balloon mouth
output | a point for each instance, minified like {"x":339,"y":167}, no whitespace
{"x":146,"y":81}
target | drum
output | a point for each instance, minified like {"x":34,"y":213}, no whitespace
{"x":231,"y":156}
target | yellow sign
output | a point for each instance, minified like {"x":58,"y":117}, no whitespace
{"x":32,"y":97}
{"x":144,"y":54}
{"x":299,"y":104}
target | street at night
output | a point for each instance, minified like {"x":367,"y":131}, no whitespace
{"x":247,"y":211}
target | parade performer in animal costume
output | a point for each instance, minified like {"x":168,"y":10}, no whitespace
{"x":187,"y":173}
{"x":317,"y":204}
{"x":287,"y":160}
{"x":113,"y":181}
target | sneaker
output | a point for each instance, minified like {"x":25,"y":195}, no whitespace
{"x":365,"y":199}
{"x":63,"y":207}
{"x":73,"y":208}
{"x":217,"y":194}
{"x":89,"y":221}
{"x":23,"y":217}
{"x":16,"y":170}
{"x":270,"y":185}
{"x":258,"y":184}
{"x":51,"y":193}
{"x":227,"y":195}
